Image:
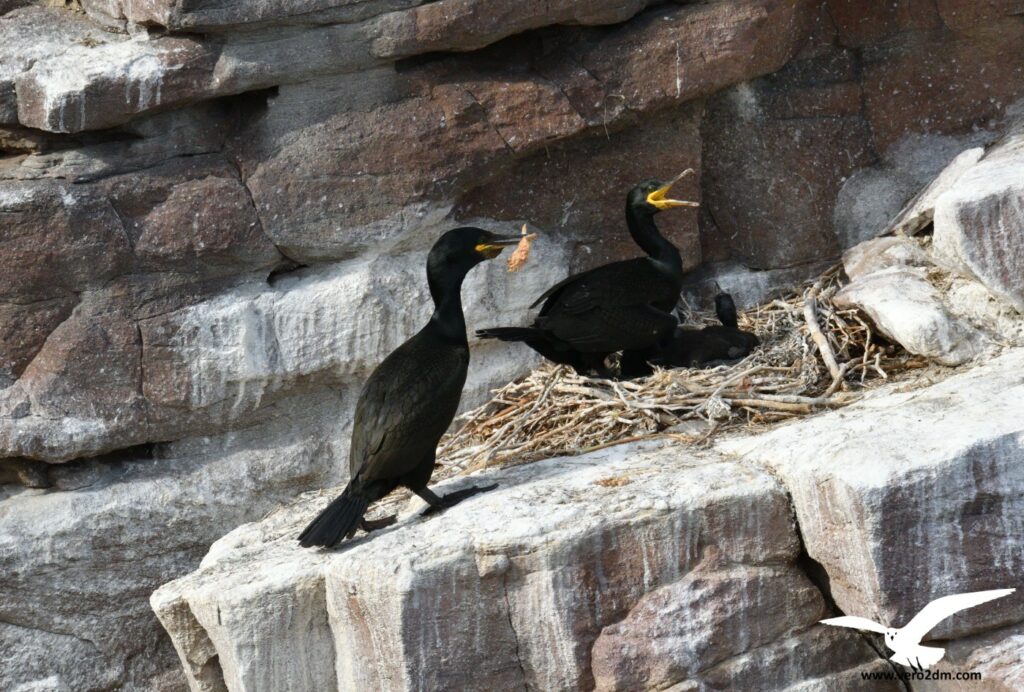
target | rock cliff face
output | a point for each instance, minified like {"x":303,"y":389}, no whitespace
{"x":214,"y":216}
{"x":644,"y":567}
{"x":557,"y":581}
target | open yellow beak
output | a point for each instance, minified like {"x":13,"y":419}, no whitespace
{"x":659,"y":200}
{"x":494,"y":245}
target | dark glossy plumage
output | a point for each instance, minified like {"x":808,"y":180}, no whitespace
{"x":406,"y":406}
{"x":623,"y":306}
{"x":691,"y":347}
{"x":411,"y":398}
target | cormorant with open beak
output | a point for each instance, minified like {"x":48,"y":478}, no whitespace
{"x":411,"y":398}
{"x":623,"y":306}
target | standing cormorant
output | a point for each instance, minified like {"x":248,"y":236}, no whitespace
{"x":692,"y":347}
{"x":623,"y":306}
{"x":411,"y":398}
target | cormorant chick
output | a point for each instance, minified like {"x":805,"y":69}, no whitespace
{"x":411,"y":398}
{"x":623,"y":306}
{"x":692,"y":347}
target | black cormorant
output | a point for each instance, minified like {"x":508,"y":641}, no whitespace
{"x":411,"y":398}
{"x":692,"y":347}
{"x":623,"y":306}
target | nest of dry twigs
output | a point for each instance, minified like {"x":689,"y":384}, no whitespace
{"x":813,"y":356}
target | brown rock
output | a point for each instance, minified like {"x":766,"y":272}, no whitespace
{"x":22,"y":140}
{"x":67,"y":238}
{"x":193,"y":216}
{"x":963,"y":14}
{"x":24,"y":329}
{"x":57,"y":239}
{"x":525,"y":113}
{"x":470,"y":24}
{"x":666,"y":57}
{"x":131,"y":247}
{"x":578,"y":189}
{"x":935,"y":82}
{"x":460,"y":119}
{"x":90,"y":368}
{"x":337,"y":168}
{"x":861,"y":23}
{"x":776,"y":152}
{"x":823,"y":36}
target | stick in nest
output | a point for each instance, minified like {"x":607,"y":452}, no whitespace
{"x":810,"y":308}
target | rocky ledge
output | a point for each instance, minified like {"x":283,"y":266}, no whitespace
{"x":645,"y":565}
{"x":214,"y":217}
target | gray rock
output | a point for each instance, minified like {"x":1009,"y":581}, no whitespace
{"x":920,"y":211}
{"x":866,"y":202}
{"x":516,"y":585}
{"x":748,"y":287}
{"x":978,"y":223}
{"x":95,"y":86}
{"x":909,"y":310}
{"x":695,"y":628}
{"x":78,"y":562}
{"x":898,"y":193}
{"x":34,"y":33}
{"x":995,"y":655}
{"x":875,"y":255}
{"x":148,"y":142}
{"x":195,"y":16}
{"x":909,"y":496}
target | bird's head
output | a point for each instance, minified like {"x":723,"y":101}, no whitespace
{"x":725,"y":308}
{"x":651,"y":196}
{"x":890,"y":635}
{"x":461,"y":249}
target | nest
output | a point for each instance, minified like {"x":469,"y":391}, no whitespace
{"x":813,"y":356}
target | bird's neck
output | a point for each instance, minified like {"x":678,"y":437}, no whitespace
{"x":448,"y":320}
{"x":646,"y":234}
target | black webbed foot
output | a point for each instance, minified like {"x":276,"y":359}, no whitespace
{"x":439,"y":504}
{"x":369,"y":525}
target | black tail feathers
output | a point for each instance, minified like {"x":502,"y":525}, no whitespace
{"x":509,"y":333}
{"x":338,"y":520}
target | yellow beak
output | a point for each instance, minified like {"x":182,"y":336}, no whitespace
{"x":659,"y":200}
{"x":493,"y":247}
